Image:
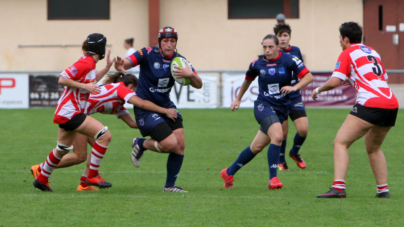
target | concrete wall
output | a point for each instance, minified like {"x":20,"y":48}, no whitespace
{"x":206,"y":36}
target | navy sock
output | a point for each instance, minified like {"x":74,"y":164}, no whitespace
{"x":297,"y":143}
{"x":245,"y":156}
{"x":174,"y":164}
{"x":140,"y":143}
{"x":273,"y":159}
{"x":282,"y":153}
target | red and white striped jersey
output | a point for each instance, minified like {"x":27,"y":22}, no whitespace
{"x":363,"y":66}
{"x":110,"y":100}
{"x":73,"y":100}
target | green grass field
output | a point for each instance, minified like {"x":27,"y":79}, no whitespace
{"x":214,"y":139}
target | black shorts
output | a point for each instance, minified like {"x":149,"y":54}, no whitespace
{"x":295,"y":114}
{"x":74,"y":123}
{"x":376,"y":116}
{"x":164,"y":129}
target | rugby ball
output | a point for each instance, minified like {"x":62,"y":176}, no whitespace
{"x":182,"y":63}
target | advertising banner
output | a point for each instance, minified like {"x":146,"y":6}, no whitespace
{"x":341,"y":95}
{"x":44,"y":90}
{"x":231,"y":88}
{"x":189,"y":97}
{"x":13,"y":91}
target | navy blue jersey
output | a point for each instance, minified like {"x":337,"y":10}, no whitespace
{"x":275,"y":74}
{"x":295,"y":51}
{"x":155,"y":79}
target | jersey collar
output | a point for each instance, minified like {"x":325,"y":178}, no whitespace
{"x":279,"y":56}
{"x":287,"y":49}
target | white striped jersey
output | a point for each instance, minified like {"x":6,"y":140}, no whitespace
{"x":72,"y":101}
{"x":363,"y":67}
{"x":110,"y":100}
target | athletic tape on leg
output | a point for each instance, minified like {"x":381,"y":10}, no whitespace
{"x":157,"y":146}
{"x":62,"y":147}
{"x":101,"y":133}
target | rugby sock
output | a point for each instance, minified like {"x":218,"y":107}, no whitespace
{"x":338,"y":185}
{"x":297,"y":143}
{"x":40,"y":166}
{"x":140,"y":143}
{"x":83,"y":179}
{"x":50,"y":164}
{"x":245,"y":156}
{"x":97,"y":154}
{"x":174,"y":164}
{"x":382,"y":188}
{"x":273,"y":159}
{"x":282,"y":153}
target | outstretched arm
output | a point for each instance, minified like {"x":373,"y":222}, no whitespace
{"x":147,"y":105}
{"x":332,"y":83}
{"x":236,"y":103}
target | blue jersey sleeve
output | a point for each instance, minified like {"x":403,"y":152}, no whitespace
{"x":298,"y":67}
{"x":138,"y":57}
{"x":252,"y":73}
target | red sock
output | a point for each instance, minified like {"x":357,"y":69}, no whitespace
{"x":338,"y":185}
{"x":83,"y":179}
{"x":51,"y":163}
{"x":382,"y":188}
{"x":97,"y":154}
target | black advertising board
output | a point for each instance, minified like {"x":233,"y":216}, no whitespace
{"x":44,"y":90}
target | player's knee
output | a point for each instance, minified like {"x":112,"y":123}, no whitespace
{"x":168,"y":145}
{"x":256,"y":148}
{"x":372,"y":149}
{"x":104,"y":135}
{"x":303,"y":132}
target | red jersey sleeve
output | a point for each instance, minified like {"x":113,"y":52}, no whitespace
{"x":343,"y":67}
{"x":124,"y":92}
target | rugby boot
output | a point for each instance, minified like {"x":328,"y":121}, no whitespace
{"x":275,"y":183}
{"x":228,"y":179}
{"x":283,"y":166}
{"x":43,"y":187}
{"x":333,"y":193}
{"x":383,"y":195}
{"x":35,"y":171}
{"x":299,"y":161}
{"x":137,"y":152}
{"x":174,"y":189}
{"x":98,"y":181}
{"x":87,"y":188}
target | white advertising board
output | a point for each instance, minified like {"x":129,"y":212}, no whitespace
{"x":189,"y":97}
{"x":13,"y":91}
{"x":232,"y":85}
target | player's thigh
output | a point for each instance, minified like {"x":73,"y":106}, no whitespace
{"x":375,"y":137}
{"x":260,"y":141}
{"x":302,"y":126}
{"x":91,"y":127}
{"x":351,"y":130}
{"x":285,"y":129}
{"x":66,"y":137}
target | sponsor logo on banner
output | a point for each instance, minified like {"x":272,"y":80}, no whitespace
{"x":189,"y":97}
{"x":13,"y":91}
{"x":7,"y":83}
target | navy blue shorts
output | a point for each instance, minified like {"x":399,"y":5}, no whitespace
{"x":264,"y":109}
{"x":147,"y":120}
